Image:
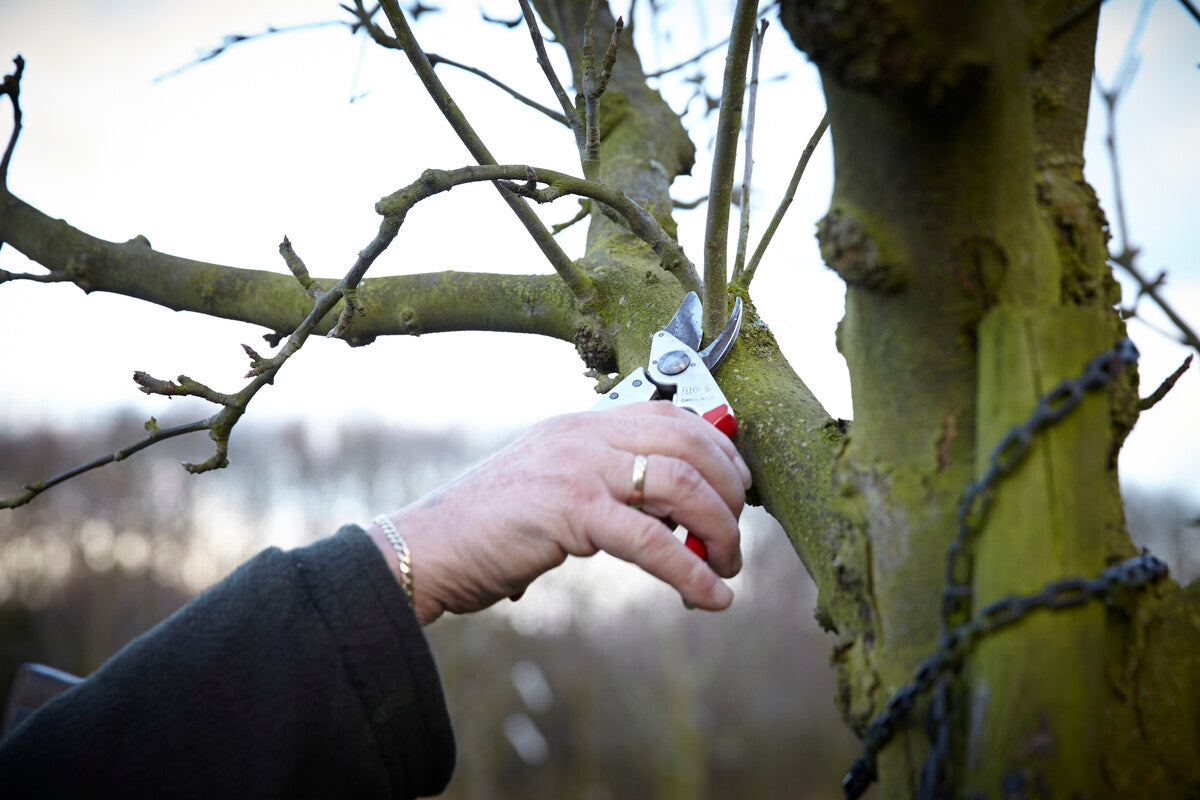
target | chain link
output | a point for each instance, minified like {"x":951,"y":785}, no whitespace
{"x":961,"y":630}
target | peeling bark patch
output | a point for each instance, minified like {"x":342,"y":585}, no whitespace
{"x":851,"y":251}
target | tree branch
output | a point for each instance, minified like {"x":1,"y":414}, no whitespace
{"x":1152,"y":399}
{"x":641,"y":222}
{"x":595,"y":81}
{"x":716,"y":233}
{"x":579,"y":284}
{"x":1126,"y":262}
{"x":156,"y":434}
{"x":234,"y":39}
{"x":428,"y":303}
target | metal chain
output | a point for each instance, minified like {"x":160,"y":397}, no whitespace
{"x":1005,"y":456}
{"x":960,"y":630}
{"x":1130,"y":574}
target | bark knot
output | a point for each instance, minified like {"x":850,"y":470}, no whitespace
{"x":853,"y":252}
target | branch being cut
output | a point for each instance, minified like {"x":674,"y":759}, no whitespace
{"x":716,"y":232}
{"x":739,"y":261}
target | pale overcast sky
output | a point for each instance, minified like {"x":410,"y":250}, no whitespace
{"x":220,"y":161}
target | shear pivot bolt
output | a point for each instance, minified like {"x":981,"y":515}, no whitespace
{"x":674,"y":362}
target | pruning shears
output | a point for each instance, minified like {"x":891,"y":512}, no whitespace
{"x":679,"y":373}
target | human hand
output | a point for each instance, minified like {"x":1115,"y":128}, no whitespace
{"x":563,"y":488}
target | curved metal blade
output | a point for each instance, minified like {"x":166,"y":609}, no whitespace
{"x":716,"y":351}
{"x":688,"y":323}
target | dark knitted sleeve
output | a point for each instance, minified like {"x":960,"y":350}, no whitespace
{"x":302,"y":674}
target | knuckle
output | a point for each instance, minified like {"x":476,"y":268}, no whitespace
{"x":684,"y":479}
{"x":648,"y":537}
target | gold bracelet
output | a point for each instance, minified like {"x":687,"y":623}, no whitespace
{"x":401,"y":548}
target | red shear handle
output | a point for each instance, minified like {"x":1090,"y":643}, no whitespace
{"x":724,"y":421}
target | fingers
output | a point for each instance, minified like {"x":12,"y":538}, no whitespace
{"x":664,"y":421}
{"x":582,"y":466}
{"x":639,"y":538}
{"x":681,"y":435}
{"x":675,"y":490}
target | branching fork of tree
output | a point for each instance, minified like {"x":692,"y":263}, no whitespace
{"x":977,"y":278}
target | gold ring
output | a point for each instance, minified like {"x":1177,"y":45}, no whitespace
{"x":639,"y":481}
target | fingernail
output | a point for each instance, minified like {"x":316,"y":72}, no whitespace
{"x":744,"y":468}
{"x":722,"y":594}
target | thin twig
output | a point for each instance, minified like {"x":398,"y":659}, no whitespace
{"x":234,"y":39}
{"x":675,"y":67}
{"x":1112,"y":95}
{"x":54,"y":276}
{"x":157,"y":434}
{"x":579,"y":284}
{"x":1191,"y":9}
{"x":295,"y":265}
{"x":595,"y":81}
{"x":1126,"y":262}
{"x":12,"y":87}
{"x":716,"y":233}
{"x":788,"y":196}
{"x":1151,"y":400}
{"x":712,"y":48}
{"x":1128,"y":256}
{"x":585,"y":208}
{"x":688,"y":205}
{"x":570,"y":114}
{"x":739,"y":261}
{"x":435,"y":59}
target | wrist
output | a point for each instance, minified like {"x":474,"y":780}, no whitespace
{"x":403,"y":563}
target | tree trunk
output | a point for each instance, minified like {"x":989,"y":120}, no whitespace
{"x":974,"y":257}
